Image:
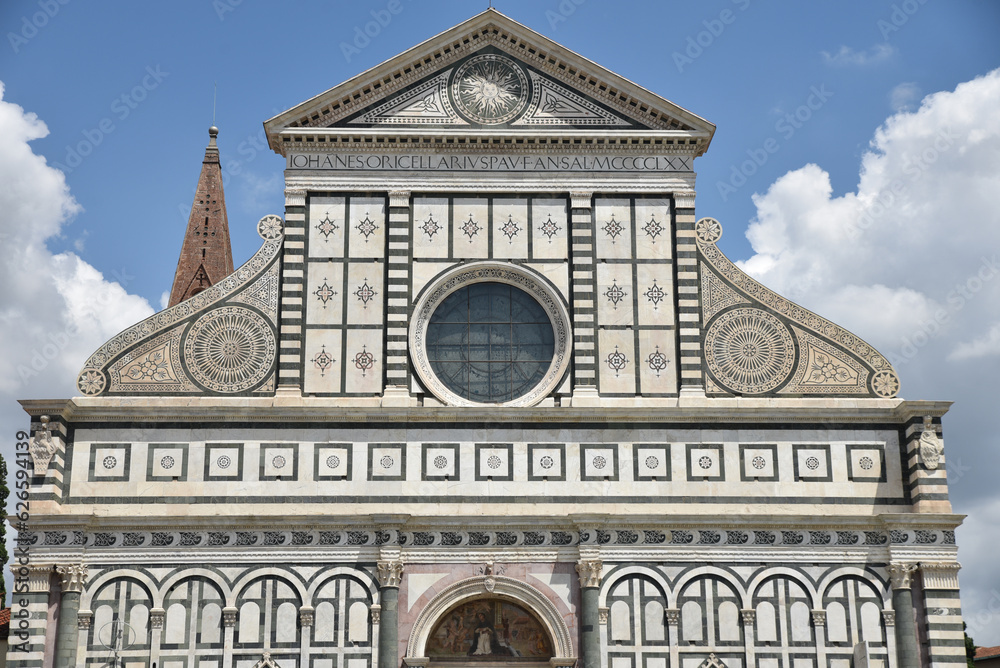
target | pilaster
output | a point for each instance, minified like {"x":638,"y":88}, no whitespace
{"x":398,"y":288}
{"x":688,"y":282}
{"x":943,"y":609}
{"x":584,"y":306}
{"x":29,"y":617}
{"x":292,"y":314}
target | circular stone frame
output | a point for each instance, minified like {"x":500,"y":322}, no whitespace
{"x":491,"y":272}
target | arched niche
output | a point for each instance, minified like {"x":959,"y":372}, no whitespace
{"x":466,"y":600}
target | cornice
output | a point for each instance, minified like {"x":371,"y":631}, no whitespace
{"x":819,"y":412}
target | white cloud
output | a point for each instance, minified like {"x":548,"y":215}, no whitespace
{"x":909,"y":261}
{"x":55,"y":309}
{"x":845,"y":55}
{"x":903,"y":96}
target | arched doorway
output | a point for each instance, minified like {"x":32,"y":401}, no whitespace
{"x":490,"y":620}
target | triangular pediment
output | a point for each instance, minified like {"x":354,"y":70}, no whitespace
{"x":490,"y":89}
{"x":489,"y":72}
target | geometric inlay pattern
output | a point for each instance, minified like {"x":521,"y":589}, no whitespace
{"x":749,"y":350}
{"x":230,"y":349}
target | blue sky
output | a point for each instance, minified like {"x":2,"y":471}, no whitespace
{"x":126,"y":93}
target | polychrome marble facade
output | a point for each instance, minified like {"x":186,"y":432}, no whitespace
{"x":489,"y":392}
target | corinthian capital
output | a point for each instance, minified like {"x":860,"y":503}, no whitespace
{"x":390,"y":573}
{"x":590,"y":572}
{"x":900,"y":574}
{"x":73,"y":577}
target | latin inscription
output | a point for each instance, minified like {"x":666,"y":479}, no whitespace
{"x":486,"y":163}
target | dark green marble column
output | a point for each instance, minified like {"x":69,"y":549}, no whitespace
{"x":389,"y":575}
{"x":67,"y":631}
{"x":907,"y":652}
{"x":590,"y":636}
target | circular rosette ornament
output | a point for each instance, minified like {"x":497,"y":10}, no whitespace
{"x":885,"y":384}
{"x":490,"y":89}
{"x":749,"y":351}
{"x":230,"y":349}
{"x":271,"y":227}
{"x":708,"y":230}
{"x":91,"y":382}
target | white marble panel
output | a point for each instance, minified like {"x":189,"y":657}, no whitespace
{"x":387,"y":462}
{"x":363,"y":367}
{"x":547,"y":462}
{"x":705,"y":462}
{"x":324,"y":296}
{"x":471,"y":228}
{"x":613,"y":228}
{"x":424,"y":273}
{"x":759,"y":463}
{"x":616,"y":362}
{"x":167,"y":462}
{"x":431,"y":227}
{"x":655,"y":290}
{"x":366,"y":293}
{"x":652,"y":462}
{"x":441,"y":462}
{"x":494,"y":462}
{"x":224,"y":462}
{"x":418,"y":583}
{"x":323,"y":361}
{"x":278,"y":461}
{"x":109,"y":462}
{"x":549,"y":229}
{"x":558,"y":274}
{"x":366,"y":237}
{"x":653,"y":236}
{"x":812,"y":463}
{"x":327,"y":225}
{"x":599,"y":462}
{"x":865,"y":462}
{"x":510,"y":229}
{"x":657,"y":361}
{"x":333,"y":461}
{"x":615,"y":295}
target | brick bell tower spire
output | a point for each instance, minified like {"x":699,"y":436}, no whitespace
{"x":206,"y":255}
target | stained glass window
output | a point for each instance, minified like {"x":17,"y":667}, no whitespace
{"x":490,"y":342}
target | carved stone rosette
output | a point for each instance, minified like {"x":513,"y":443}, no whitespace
{"x":819,"y":617}
{"x":376,"y":610}
{"x":900,"y":574}
{"x":590,"y":572}
{"x":73,"y":577}
{"x":229,"y":617}
{"x":673,"y":616}
{"x":156,"y":618}
{"x":390,"y":573}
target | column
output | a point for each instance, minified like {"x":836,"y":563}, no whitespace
{"x":907,"y":652}
{"x":749,"y":617}
{"x":157,"y":617}
{"x":819,"y":629}
{"x":584,"y":306}
{"x":307,"y":615}
{"x":229,"y":631}
{"x":590,"y":587}
{"x":688,"y":289}
{"x":673,"y":616}
{"x":292,"y":315}
{"x":390,"y":573}
{"x":939,"y":590}
{"x":400,"y":258}
{"x":67,"y":630}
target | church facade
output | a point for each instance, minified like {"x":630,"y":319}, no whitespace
{"x":489,"y":393}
